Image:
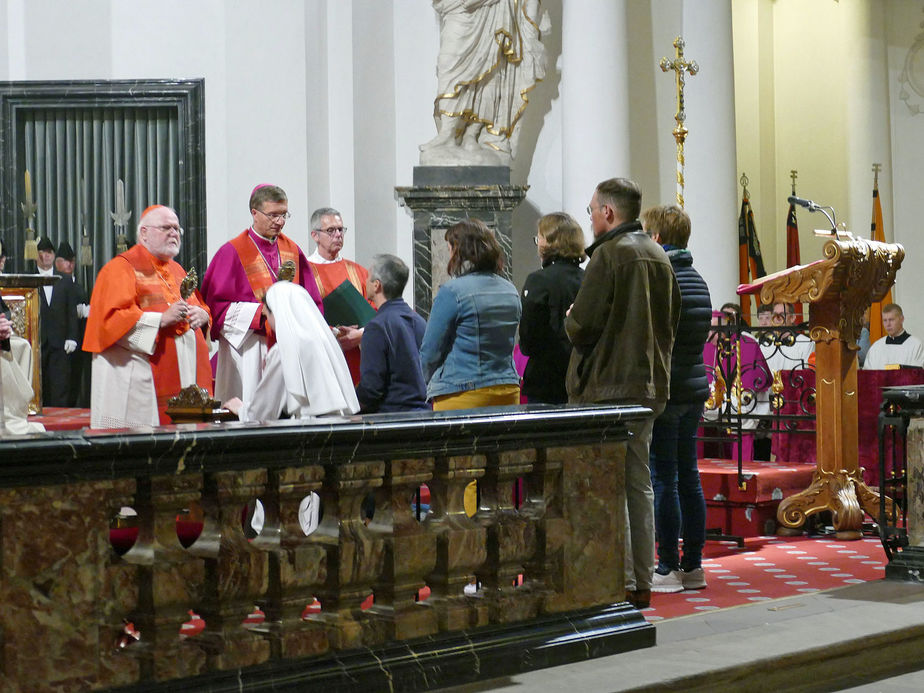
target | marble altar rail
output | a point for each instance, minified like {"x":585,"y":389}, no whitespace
{"x":67,"y":593}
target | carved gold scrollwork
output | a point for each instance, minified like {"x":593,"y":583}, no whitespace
{"x":822,"y":334}
{"x":843,"y":493}
{"x":832,"y":250}
{"x":776,"y":399}
{"x":716,"y":391}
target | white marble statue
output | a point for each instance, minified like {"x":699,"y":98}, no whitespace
{"x":491,"y":56}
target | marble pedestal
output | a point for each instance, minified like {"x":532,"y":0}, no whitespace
{"x":915,"y":471}
{"x":444,"y":195}
{"x":903,"y":535}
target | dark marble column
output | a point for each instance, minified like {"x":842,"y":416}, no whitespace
{"x":915,"y":476}
{"x":236,"y":571}
{"x":355,"y":553}
{"x":410,"y":553}
{"x":298,"y":563}
{"x":460,"y":547}
{"x":171,"y":579}
{"x":511,"y":538}
{"x":444,"y":195}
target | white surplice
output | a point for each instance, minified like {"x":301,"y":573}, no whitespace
{"x":241,"y":353}
{"x":882,"y":355}
{"x":122,"y":393}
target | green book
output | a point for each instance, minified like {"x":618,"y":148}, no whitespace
{"x":346,"y":306}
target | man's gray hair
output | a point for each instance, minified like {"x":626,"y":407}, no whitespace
{"x":322,"y":212}
{"x":392,"y":272}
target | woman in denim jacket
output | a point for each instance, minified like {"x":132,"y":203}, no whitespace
{"x":467,"y":350}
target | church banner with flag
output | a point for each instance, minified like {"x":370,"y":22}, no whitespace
{"x":877,"y":233}
{"x":750,"y":260}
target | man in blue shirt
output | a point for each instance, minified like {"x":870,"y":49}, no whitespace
{"x":390,"y":375}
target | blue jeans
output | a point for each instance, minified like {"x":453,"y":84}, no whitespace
{"x":678,"y":495}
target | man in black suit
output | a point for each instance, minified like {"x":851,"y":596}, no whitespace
{"x":59,"y":325}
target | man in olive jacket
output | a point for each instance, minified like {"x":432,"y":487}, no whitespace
{"x":622,"y":327}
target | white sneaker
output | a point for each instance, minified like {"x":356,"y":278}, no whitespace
{"x":693,"y":579}
{"x":665,"y":584}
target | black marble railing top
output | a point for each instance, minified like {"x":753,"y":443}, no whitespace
{"x":909,"y":397}
{"x":72,"y":456}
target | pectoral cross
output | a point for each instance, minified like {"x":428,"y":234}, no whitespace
{"x":680,"y":68}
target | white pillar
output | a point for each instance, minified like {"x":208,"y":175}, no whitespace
{"x":595,"y":100}
{"x":867,"y":111}
{"x":711,"y":193}
{"x":329,"y":80}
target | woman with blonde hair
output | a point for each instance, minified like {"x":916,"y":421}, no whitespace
{"x":467,"y":350}
{"x":547,"y":295}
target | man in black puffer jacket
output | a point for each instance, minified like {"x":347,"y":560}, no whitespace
{"x":678,"y":495}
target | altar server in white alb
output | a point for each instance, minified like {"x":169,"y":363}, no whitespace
{"x":897,"y":348}
{"x":305,"y":373}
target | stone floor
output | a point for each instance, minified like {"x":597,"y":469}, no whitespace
{"x":867,"y":637}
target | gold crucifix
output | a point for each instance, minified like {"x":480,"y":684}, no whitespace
{"x":680,"y":68}
{"x":793,"y":173}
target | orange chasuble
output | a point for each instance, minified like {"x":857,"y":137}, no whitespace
{"x":328,"y":277}
{"x":136,"y":282}
{"x":258,"y":272}
{"x":255,"y":267}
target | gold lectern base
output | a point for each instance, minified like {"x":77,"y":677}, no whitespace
{"x":843,"y":493}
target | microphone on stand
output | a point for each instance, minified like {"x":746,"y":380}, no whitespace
{"x":813,"y":207}
{"x":808,"y":204}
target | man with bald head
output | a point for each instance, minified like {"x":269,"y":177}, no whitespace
{"x":147,"y":341}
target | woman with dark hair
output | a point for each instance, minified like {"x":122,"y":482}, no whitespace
{"x":467,"y":349}
{"x":547,"y":295}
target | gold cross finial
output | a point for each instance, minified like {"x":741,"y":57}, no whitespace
{"x":680,"y":67}
{"x":793,"y":174}
{"x":876,"y":169}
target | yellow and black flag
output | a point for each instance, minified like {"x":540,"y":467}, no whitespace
{"x":877,"y":234}
{"x":750,"y":260}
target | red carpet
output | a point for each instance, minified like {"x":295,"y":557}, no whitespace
{"x":771,"y":568}
{"x":62,"y":418}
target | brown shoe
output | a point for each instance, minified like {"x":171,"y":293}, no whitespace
{"x":640,"y":599}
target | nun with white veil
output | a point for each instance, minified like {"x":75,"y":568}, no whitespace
{"x":305,"y":373}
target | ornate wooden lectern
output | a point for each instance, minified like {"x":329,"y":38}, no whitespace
{"x":839,"y":288}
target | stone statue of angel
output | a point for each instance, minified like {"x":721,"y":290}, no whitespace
{"x":491,"y":56}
